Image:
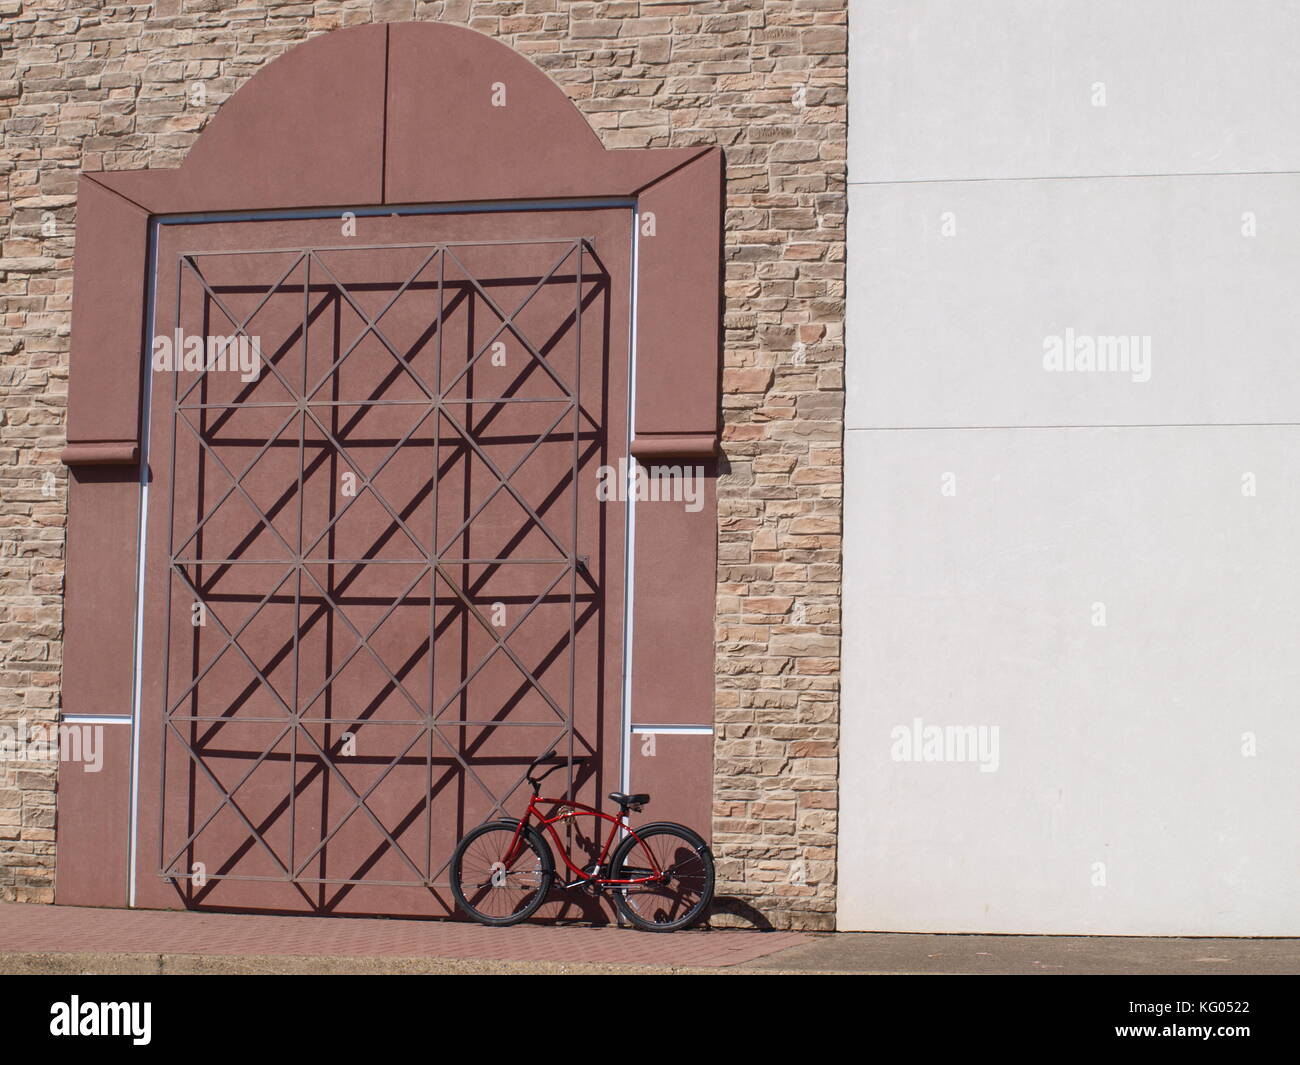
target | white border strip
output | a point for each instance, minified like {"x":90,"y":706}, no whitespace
{"x":146,"y":400}
{"x":386,"y":211}
{"x":629,"y":545}
{"x":673,"y":730}
{"x":96,"y":719}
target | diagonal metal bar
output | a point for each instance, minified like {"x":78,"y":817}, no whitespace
{"x":436,"y":730}
{"x":537,"y":684}
{"x":367,"y":481}
{"x":228,"y":796}
{"x":379,"y":496}
{"x":544,"y":349}
{"x":532,"y":448}
{"x":241,"y":402}
{"x":238,"y":646}
{"x":231,"y":642}
{"x":371,"y":324}
{"x":498,"y":801}
{"x":499,"y":640}
{"x":505,"y":796}
{"x":357,"y":632}
{"x":240,"y":327}
{"x":270,"y":443}
{"x":238,"y":487}
{"x":361,"y":803}
{"x":231,"y":639}
{"x":363,"y":641}
{"x":507,"y":322}
{"x":505,"y":483}
{"x":503,"y":560}
{"x":342,"y":290}
{"x":270,"y":364}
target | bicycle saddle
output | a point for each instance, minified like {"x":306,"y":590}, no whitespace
{"x":624,"y":801}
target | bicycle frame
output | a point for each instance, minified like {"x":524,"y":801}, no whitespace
{"x":563,"y":810}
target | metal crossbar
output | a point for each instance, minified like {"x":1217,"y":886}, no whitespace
{"x":192,"y":726}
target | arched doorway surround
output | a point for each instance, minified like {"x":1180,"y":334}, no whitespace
{"x":464,"y":301}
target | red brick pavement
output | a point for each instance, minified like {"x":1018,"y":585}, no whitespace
{"x":31,"y":928}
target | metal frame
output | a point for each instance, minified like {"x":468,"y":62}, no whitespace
{"x":434,"y":559}
{"x":566,"y":810}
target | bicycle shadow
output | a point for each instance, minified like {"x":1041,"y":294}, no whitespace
{"x":578,"y":907}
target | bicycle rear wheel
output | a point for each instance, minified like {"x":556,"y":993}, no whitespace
{"x":492,"y":890}
{"x":681,"y":895}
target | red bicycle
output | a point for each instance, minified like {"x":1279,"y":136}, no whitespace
{"x":661,"y":876}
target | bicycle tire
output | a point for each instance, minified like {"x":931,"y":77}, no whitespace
{"x":663,"y":908}
{"x":467,"y":859}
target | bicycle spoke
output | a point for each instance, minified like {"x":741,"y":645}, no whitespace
{"x":491,"y":888}
{"x":681,"y":890}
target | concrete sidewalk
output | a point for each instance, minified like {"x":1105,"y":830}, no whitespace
{"x":66,"y":939}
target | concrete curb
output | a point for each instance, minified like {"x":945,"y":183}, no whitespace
{"x":16,"y":963}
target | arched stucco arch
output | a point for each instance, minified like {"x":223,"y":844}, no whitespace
{"x":405,"y":113}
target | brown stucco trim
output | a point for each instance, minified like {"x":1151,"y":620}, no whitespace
{"x":94,"y":821}
{"x":307,"y":131}
{"x":389,"y":144}
{"x":679,"y":311}
{"x":110,"y":274}
{"x":101,"y":453}
{"x":675,"y":446}
{"x":93,"y":809}
{"x":448,"y":140}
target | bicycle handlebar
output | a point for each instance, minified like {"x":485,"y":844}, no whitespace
{"x":537,"y":783}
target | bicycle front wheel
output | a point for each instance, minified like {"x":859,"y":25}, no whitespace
{"x":680,"y":895}
{"x":494,"y":887}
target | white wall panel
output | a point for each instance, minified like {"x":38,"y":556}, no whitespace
{"x":952,"y":330}
{"x":1146,"y":776}
{"x":1005,"y":88}
{"x":1119,"y":744}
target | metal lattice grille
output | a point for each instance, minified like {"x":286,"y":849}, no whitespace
{"x":397,"y":459}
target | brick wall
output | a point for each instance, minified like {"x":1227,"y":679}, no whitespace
{"x":91,"y":86}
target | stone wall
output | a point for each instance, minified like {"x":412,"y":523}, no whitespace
{"x":127,"y":86}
